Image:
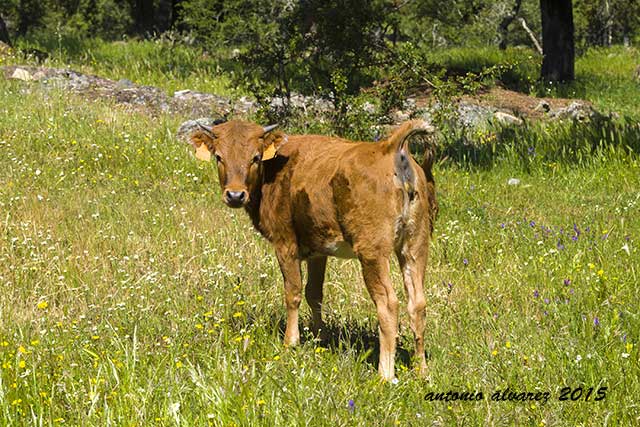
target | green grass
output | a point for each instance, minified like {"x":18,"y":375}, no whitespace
{"x":163,"y":62}
{"x":132,"y":296}
{"x":604,"y":76}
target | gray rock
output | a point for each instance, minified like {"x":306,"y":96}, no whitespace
{"x":507,"y":119}
{"x":125,"y":92}
{"x":472,"y":115}
{"x":21,"y":74}
{"x":39,"y":75}
{"x":124,"y":84}
{"x":543,"y":106}
{"x":400,"y":116}
{"x":181,"y":93}
{"x":187,"y":128}
{"x":578,"y":111}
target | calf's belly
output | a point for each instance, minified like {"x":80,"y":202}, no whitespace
{"x":338,"y":249}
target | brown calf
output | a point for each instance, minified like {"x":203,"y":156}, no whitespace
{"x":315,"y":196}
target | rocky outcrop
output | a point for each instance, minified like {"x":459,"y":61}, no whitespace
{"x":126,"y":92}
{"x":468,"y":113}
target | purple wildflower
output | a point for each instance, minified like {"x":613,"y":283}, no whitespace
{"x":536,"y":294}
{"x":560,"y":246}
{"x":531,"y":151}
{"x":596,"y":321}
{"x":352,"y":405}
{"x":465,"y":261}
{"x":571,"y":291}
{"x":567,"y":282}
{"x":502,"y":226}
{"x":574,"y":238}
{"x":546,"y":300}
{"x":624,"y":337}
{"x":532,"y":223}
{"x":449,"y":287}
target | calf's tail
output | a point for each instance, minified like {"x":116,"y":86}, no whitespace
{"x":403,"y":169}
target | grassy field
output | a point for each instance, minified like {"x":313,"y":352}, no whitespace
{"x":132,"y":296}
{"x":603,"y":76}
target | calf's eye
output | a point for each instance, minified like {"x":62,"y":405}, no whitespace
{"x":218,"y":158}
{"x":256,"y":158}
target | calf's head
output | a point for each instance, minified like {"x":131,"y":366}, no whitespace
{"x":239,"y":149}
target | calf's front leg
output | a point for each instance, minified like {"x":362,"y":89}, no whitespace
{"x":287,"y":255}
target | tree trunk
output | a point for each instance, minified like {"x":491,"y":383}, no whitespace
{"x":144,"y":13}
{"x":175,"y":4}
{"x":4,"y":33}
{"x":503,"y":27}
{"x":607,"y":33}
{"x":557,"y":40}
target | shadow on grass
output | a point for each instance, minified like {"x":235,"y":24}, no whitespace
{"x":350,"y":337}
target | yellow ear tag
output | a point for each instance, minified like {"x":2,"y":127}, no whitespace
{"x":269,"y":152}
{"x":203,"y":153}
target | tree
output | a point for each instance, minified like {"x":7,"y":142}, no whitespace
{"x":557,"y":40}
{"x":4,"y":34}
{"x":503,"y":27}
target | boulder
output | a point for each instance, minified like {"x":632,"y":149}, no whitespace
{"x":507,"y":119}
{"x":21,"y":74}
{"x":578,"y":111}
{"x":543,"y":107}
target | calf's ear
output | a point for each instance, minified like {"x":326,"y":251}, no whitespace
{"x":202,"y":140}
{"x":199,"y":142}
{"x":272,"y":142}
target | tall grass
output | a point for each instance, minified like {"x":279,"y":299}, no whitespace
{"x":605,"y":77}
{"x":164,"y":62}
{"x":536,"y":145}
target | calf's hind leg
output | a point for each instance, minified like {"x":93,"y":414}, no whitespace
{"x":412,"y":258}
{"x":378,"y":282}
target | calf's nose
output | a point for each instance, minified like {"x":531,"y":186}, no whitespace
{"x":235,"y":198}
